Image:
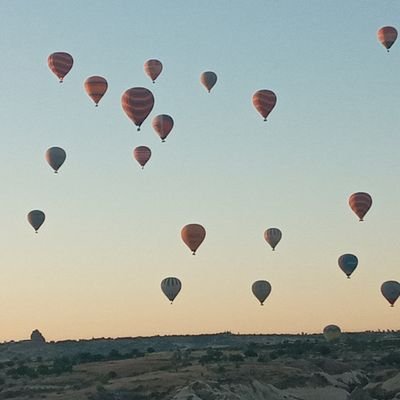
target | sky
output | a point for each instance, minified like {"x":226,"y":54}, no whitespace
{"x":112,"y":230}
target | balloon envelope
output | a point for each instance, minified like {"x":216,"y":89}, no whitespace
{"x":96,"y":87}
{"x":153,"y":68}
{"x":208,"y":79}
{"x":360,"y":203}
{"x":55,"y":156}
{"x":387,"y":35}
{"x":171,"y":287}
{"x":36,"y":219}
{"x":193,"y":236}
{"x":142,"y":154}
{"x":137,"y":104}
{"x":60,"y":64}
{"x":264,"y":102}
{"x":163,"y":125}
{"x":273,"y":237}
{"x":348,"y":263}
{"x":391,"y":291}
{"x":261,"y":290}
{"x":332,"y":332}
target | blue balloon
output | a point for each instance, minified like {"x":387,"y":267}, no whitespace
{"x":348,"y":263}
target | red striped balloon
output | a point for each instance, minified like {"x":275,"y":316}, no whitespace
{"x":273,"y":236}
{"x":137,"y":103}
{"x":360,"y":203}
{"x":153,"y":68}
{"x":163,"y":125}
{"x":208,"y":79}
{"x":264,"y":101}
{"x":60,"y":64}
{"x":96,"y":87}
{"x":387,"y":36}
{"x":142,"y":154}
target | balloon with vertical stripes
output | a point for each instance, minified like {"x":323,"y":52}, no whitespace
{"x":171,"y":287}
{"x":153,"y":69}
{"x":273,"y":236}
{"x":142,"y":154}
{"x":60,"y":64}
{"x":264,"y":102}
{"x":387,"y":35}
{"x":137,"y":103}
{"x":360,"y":203}
{"x":163,"y":125}
{"x":96,"y":87}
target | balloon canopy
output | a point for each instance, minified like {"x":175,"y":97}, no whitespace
{"x":171,"y":287}
{"x":60,"y":64}
{"x":193,"y":236}
{"x":261,"y":290}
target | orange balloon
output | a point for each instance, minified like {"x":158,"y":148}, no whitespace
{"x":153,"y":68}
{"x":193,"y":236}
{"x":387,"y":36}
{"x":360,"y":203}
{"x":60,"y":64}
{"x":95,"y":87}
{"x":142,"y":154}
{"x":163,"y":125}
{"x":137,"y":103}
{"x":208,"y":79}
{"x":264,"y":101}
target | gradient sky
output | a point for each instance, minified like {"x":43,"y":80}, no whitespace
{"x":112,"y":231}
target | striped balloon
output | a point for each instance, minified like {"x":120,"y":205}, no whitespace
{"x":171,"y":287}
{"x":261,"y":290}
{"x":36,"y":219}
{"x":55,"y":156}
{"x":153,"y":68}
{"x":208,"y":79}
{"x":193,"y":236}
{"x":387,"y":36}
{"x":264,"y":101}
{"x":60,"y":64}
{"x":142,"y":154}
{"x":163,"y":125}
{"x":96,"y":87}
{"x":273,"y":237}
{"x":348,"y":263}
{"x":360,"y":203}
{"x":137,"y":103}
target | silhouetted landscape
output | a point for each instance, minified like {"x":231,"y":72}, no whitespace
{"x":360,"y":366}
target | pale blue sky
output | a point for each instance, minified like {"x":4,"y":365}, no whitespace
{"x":113,"y":231}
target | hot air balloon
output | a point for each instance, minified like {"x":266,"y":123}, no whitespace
{"x":137,"y":103}
{"x":264,"y":101}
{"x":391,"y":291}
{"x":208,"y":79}
{"x":55,"y":156}
{"x":360,"y":203}
{"x":273,"y":237}
{"x":96,"y":87}
{"x":193,"y":236}
{"x":60,"y":64}
{"x":36,"y":219}
{"x":163,"y":125}
{"x":387,"y":36}
{"x":261,"y":289}
{"x":171,"y":287}
{"x":332,"y":332}
{"x":153,"y":68}
{"x":142,"y":154}
{"x":348,"y":263}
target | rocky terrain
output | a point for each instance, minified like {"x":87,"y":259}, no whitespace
{"x":361,"y":366}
